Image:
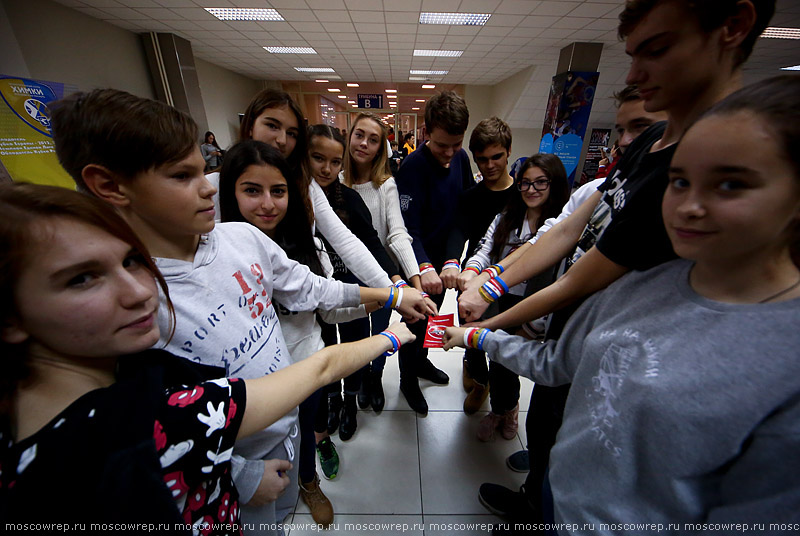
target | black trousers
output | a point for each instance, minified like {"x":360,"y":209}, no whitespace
{"x":412,"y":355}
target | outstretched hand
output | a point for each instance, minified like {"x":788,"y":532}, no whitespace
{"x":402,"y":332}
{"x":453,"y":336}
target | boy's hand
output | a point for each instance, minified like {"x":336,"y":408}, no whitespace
{"x":431,"y":283}
{"x":432,"y":307}
{"x":453,"y":336}
{"x":470,"y":304}
{"x":464,"y":278}
{"x":449,"y":277}
{"x":403,"y":333}
{"x":273,"y":483}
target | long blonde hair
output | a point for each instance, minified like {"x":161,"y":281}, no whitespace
{"x":380,"y":164}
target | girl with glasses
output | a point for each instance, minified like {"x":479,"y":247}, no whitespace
{"x":543,"y":190}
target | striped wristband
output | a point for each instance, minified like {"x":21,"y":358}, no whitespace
{"x":400,"y":283}
{"x":474,"y":337}
{"x":395,"y":298}
{"x":395,"y":343}
{"x":472,"y":269}
{"x":452,"y":263}
{"x":426,"y":267}
{"x":494,"y":270}
{"x":493,"y":289}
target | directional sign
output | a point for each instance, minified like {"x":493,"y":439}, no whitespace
{"x":370,"y":100}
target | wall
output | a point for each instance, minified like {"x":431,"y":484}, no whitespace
{"x":60,"y":44}
{"x":225,"y":95}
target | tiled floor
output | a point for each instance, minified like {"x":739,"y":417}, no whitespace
{"x":406,"y":474}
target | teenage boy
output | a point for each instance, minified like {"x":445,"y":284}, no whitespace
{"x":686,"y":56}
{"x":429,"y":184}
{"x":141,"y":157}
{"x":490,"y":145}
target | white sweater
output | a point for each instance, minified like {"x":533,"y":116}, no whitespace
{"x":353,"y":252}
{"x":384,"y":206}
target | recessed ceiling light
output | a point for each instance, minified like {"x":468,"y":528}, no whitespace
{"x":428,"y":86}
{"x":320,"y":80}
{"x":351,"y":102}
{"x":460,"y":19}
{"x":351,"y":84}
{"x":391,"y":91}
{"x":314,"y":70}
{"x":417,"y":71}
{"x":227,"y":13}
{"x":420,"y":100}
{"x":342,"y":96}
{"x":415,"y":108}
{"x":440,"y":53}
{"x":781,"y":33}
{"x":793,"y":68}
{"x":290,"y":50}
{"x":334,"y":89}
{"x":391,"y":96}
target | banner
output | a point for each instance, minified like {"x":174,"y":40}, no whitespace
{"x":26,"y":140}
{"x":597,"y":142}
{"x":568,"y":109}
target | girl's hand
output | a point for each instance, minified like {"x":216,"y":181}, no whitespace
{"x":431,"y":283}
{"x":403,"y":333}
{"x":465,"y":277}
{"x":449,"y":277}
{"x":413,"y":306}
{"x":431,"y":307}
{"x":453,"y":336}
{"x":476,"y":282}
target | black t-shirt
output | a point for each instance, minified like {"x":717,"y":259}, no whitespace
{"x":627,"y":226}
{"x":477,"y":208}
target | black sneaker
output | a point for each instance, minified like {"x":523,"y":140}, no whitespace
{"x":519,"y":461}
{"x":505,"y":502}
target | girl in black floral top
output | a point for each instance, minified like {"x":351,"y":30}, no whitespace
{"x":94,"y":426}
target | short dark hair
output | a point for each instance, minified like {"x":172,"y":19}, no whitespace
{"x":122,"y":132}
{"x":710,"y":16}
{"x":293,"y":233}
{"x":626,"y":94}
{"x":448,"y":111}
{"x":489,"y":132}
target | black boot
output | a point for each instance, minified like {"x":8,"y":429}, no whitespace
{"x":414,"y":396}
{"x":364,"y":391}
{"x":334,"y":409}
{"x":428,"y":371}
{"x":375,"y":380}
{"x":349,"y":422}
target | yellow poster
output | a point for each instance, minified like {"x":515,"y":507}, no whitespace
{"x":26,"y":140}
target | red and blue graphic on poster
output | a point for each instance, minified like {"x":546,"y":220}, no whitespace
{"x":568,"y":109}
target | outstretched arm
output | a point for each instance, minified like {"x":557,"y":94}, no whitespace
{"x":551,"y":248}
{"x":593,"y":272}
{"x":272,"y":396}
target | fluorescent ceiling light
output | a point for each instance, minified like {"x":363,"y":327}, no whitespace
{"x":334,"y":89}
{"x":420,"y":100}
{"x":460,"y":19}
{"x":391,"y":91}
{"x":342,"y":96}
{"x":428,"y":86}
{"x":290,"y":50}
{"x":391,"y":96}
{"x":351,"y":102}
{"x":781,"y":33}
{"x":415,"y":108}
{"x":228,"y":13}
{"x":351,"y":84}
{"x":441,"y":53}
{"x":417,"y":71}
{"x":793,"y":68}
{"x":314,"y":70}
{"x":320,"y":80}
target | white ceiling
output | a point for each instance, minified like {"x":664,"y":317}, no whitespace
{"x":373,"y":40}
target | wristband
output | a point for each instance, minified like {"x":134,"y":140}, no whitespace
{"x":426,"y":270}
{"x":472,"y":269}
{"x":394,"y":340}
{"x":399,"y":300}
{"x":493,"y":289}
{"x":452,"y":263}
{"x":494,"y":270}
{"x":425,"y":294}
{"x":400,"y":284}
{"x":474,"y":337}
{"x":388,"y":304}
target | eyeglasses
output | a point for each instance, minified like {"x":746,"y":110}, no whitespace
{"x":540,"y":185}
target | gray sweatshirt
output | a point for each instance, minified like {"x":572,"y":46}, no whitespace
{"x":682,"y":409}
{"x":225,"y":317}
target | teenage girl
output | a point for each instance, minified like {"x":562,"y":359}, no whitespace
{"x":685,"y":398}
{"x":326,"y":154}
{"x":133,"y":434}
{"x":274,"y":118}
{"x":254,"y":189}
{"x":543,"y":189}
{"x":366,"y":170}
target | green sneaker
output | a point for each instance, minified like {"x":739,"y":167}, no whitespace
{"x":328,"y":458}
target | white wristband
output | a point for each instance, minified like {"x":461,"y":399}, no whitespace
{"x":399,"y":298}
